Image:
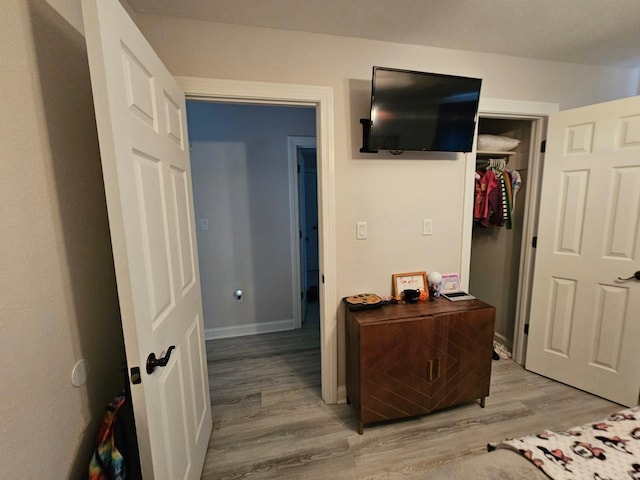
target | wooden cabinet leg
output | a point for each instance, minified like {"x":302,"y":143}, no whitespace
{"x":360,"y":428}
{"x":482,"y":402}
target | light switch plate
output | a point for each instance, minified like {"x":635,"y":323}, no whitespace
{"x":361,"y":230}
{"x":427,"y":226}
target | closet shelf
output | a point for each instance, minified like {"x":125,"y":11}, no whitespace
{"x":488,"y":153}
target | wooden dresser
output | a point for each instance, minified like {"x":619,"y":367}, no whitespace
{"x":407,"y":360}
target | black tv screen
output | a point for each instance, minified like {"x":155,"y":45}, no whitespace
{"x":419,"y":111}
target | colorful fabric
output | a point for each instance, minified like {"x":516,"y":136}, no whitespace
{"x":486,"y":182}
{"x":603,"y":450}
{"x":516,"y":181}
{"x":495,"y":210}
{"x":495,"y":191}
{"x":507,"y":199}
{"x":107,"y":462}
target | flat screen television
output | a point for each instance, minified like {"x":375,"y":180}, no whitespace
{"x":419,"y":111}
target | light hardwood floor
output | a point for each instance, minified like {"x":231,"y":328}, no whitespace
{"x":270,"y":422}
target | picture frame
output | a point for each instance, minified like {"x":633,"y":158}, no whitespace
{"x":450,"y":283}
{"x":411,"y":280}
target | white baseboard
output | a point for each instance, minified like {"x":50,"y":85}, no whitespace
{"x":501,"y":339}
{"x":342,"y":394}
{"x":248,"y":329}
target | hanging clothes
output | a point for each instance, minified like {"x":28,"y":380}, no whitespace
{"x":486,"y":183}
{"x":516,"y":181}
{"x":507,"y":199}
{"x":495,"y":191}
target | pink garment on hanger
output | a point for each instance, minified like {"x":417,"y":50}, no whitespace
{"x":485,"y":183}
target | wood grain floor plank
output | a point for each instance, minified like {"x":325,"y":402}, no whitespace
{"x":270,"y":422}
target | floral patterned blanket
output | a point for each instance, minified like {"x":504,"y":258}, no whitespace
{"x":603,"y":450}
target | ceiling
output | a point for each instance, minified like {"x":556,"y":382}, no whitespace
{"x":599,"y":32}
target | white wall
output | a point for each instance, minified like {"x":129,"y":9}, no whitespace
{"x":57,"y":297}
{"x":58,"y":300}
{"x":391,"y":194}
{"x":239,"y":164}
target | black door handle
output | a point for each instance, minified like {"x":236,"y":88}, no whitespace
{"x":153,"y":362}
{"x":635,"y":275}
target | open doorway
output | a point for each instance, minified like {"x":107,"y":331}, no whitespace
{"x":496,"y":245}
{"x":245,"y":207}
{"x":308,"y":214}
{"x":304,"y":175}
{"x":244,"y":197}
{"x":322,"y":99}
{"x":501,"y":264}
{"x":528,"y":119}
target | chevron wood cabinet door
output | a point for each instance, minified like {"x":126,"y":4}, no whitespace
{"x":408,"y":360}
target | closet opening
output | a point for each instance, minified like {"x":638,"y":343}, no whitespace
{"x":502,"y":255}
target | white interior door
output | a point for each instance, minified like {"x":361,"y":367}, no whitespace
{"x":584,"y":324}
{"x":140,"y":112}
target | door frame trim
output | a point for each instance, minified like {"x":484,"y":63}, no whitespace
{"x":518,"y":110}
{"x":197,"y":88}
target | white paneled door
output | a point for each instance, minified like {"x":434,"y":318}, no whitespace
{"x":140,"y":112}
{"x":585,"y":323}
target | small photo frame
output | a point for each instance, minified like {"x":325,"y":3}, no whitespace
{"x":405,"y":281}
{"x":450,"y":283}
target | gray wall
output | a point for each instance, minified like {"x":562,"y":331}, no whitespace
{"x":240,"y":169}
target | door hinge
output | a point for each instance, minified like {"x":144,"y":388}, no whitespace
{"x":543,"y":146}
{"x":298,"y":168}
{"x":534,"y":242}
{"x":526,"y":329}
{"x":323,"y":279}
